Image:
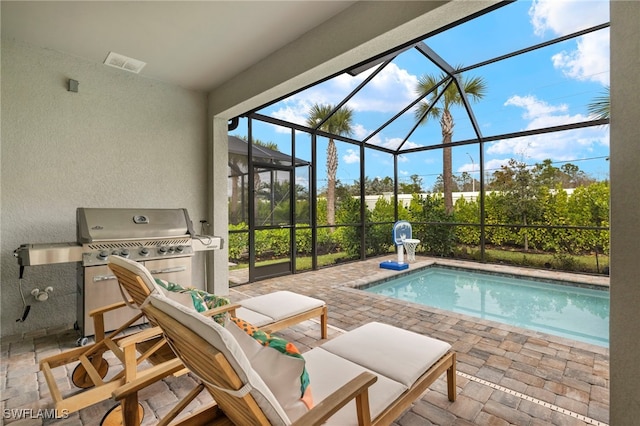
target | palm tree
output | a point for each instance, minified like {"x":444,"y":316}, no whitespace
{"x":474,"y":87}
{"x":338,"y":123}
{"x":600,"y":106}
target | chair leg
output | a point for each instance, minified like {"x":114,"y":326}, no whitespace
{"x":323,"y":323}
{"x":451,"y":379}
{"x":130,"y":413}
{"x":362,"y":408}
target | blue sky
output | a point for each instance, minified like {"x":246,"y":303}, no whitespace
{"x":547,"y":87}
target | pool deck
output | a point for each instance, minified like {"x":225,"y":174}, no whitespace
{"x":506,"y":375}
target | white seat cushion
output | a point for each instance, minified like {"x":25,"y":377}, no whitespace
{"x":328,"y":372}
{"x":139,"y":270}
{"x":398,"y":354}
{"x":253,"y":317}
{"x":220,"y":338}
{"x":280,"y":372}
{"x":280,"y":305}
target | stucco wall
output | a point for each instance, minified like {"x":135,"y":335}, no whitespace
{"x":625,"y":213}
{"x":122,"y":141}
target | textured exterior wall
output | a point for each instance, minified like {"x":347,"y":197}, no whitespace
{"x":122,"y":141}
{"x":625,"y":213}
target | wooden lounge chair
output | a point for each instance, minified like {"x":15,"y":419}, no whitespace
{"x":273,"y":311}
{"x":367,"y":376}
{"x":90,"y":373}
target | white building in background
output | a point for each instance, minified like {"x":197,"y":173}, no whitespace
{"x":405,"y":199}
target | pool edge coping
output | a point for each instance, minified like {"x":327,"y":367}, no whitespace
{"x":581,"y":280}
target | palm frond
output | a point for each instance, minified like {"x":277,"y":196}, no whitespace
{"x":600,"y":107}
{"x":340,"y":123}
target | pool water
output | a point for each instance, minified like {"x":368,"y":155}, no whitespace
{"x":564,"y":310}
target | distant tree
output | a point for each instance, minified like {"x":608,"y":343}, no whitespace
{"x":567,"y":176}
{"x":520,"y":191}
{"x":466,"y":182}
{"x":456,"y":183}
{"x":475,"y":88}
{"x":438,"y":185}
{"x":339,"y":123}
{"x":407,"y":188}
{"x":547,"y":174}
{"x":415,"y":187}
{"x":574,"y":176}
{"x":343,"y":191}
{"x":379,"y":186}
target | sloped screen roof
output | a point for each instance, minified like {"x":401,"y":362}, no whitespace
{"x":239,"y":152}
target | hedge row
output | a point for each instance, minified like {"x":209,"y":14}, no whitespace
{"x":586,"y":207}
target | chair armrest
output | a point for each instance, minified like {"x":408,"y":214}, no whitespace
{"x":108,"y":308}
{"x":331,"y":404}
{"x":222,"y":309}
{"x":139,"y":336}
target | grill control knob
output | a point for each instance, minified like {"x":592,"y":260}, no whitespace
{"x":180,"y":249}
{"x":144,"y":251}
{"x":124,"y":253}
{"x":103,"y":255}
{"x":162,"y":250}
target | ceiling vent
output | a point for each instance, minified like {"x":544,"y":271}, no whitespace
{"x":117,"y":60}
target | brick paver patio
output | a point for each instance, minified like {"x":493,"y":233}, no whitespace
{"x":506,"y":375}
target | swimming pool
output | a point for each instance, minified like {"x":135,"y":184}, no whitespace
{"x":565,"y":310}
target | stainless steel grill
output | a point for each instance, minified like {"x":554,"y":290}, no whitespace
{"x":162,"y":239}
{"x":137,"y":234}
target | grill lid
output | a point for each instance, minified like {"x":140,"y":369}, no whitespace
{"x":110,"y":224}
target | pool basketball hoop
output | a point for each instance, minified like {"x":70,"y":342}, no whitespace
{"x":402,"y":238}
{"x":410,"y":245}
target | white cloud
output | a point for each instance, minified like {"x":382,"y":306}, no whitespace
{"x":533,"y":107}
{"x":495,"y":164}
{"x":389,"y":92}
{"x":393,"y":143}
{"x":557,"y":145}
{"x":590,"y":62}
{"x":470,"y":168}
{"x":563,"y":17}
{"x":292,"y":112}
{"x":590,"y":59}
{"x":359,"y":131}
{"x":352,"y":156}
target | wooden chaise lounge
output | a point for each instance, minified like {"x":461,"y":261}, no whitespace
{"x":272,"y":312}
{"x":369,"y":375}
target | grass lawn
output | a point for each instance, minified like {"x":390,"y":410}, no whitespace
{"x":303,"y":263}
{"x":563,"y":262}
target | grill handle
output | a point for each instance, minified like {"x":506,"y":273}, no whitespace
{"x":169,"y":270}
{"x":99,"y":278}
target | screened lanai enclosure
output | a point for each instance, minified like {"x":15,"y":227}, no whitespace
{"x":489,"y":135}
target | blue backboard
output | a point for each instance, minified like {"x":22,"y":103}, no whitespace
{"x":401,"y":232}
